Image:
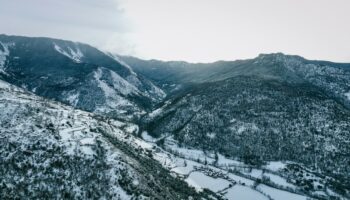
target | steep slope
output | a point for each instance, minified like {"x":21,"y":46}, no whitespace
{"x":49,"y":150}
{"x":77,"y":74}
{"x":272,"y":108}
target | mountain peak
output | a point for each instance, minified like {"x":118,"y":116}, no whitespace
{"x":279,"y":56}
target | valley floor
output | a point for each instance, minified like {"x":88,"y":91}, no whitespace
{"x":229,"y":178}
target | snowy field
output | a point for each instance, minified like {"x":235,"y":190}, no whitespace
{"x":279,"y":194}
{"x":200,"y":181}
{"x":239,"y":192}
{"x":229,"y":185}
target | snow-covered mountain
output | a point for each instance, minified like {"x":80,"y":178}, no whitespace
{"x":77,"y":74}
{"x":271,"y":108}
{"x":52,"y":151}
{"x":75,"y":120}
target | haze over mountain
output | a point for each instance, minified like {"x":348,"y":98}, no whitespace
{"x":272,"y":127}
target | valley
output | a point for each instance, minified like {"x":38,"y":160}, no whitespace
{"x":75,"y":120}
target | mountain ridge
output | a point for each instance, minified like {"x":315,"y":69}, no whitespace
{"x":77,"y":74}
{"x":272,"y":108}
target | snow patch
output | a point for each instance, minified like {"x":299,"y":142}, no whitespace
{"x":239,"y":192}
{"x":191,"y":154}
{"x":186,"y":168}
{"x":3,"y":55}
{"x":143,"y":144}
{"x":223,"y":161}
{"x":241,"y":129}
{"x":76,"y":55}
{"x":132,"y":129}
{"x":118,"y":84}
{"x":122,"y":85}
{"x":132,"y":79}
{"x":275,"y":166}
{"x":87,"y":141}
{"x":145,"y":136}
{"x":279,"y":194}
{"x":157,"y":91}
{"x":73,"y":98}
{"x":278,"y":180}
{"x":87,"y":150}
{"x":200,"y":181}
{"x":256,"y":173}
{"x":348,"y":95}
{"x":241,"y":180}
{"x":156,"y":112}
{"x":4,"y":85}
{"x":211,"y":135}
{"x":116,"y":58}
{"x":108,"y":91}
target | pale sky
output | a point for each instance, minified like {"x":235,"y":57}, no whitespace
{"x":190,"y":30}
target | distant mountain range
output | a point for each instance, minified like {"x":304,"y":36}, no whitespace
{"x":64,"y":102}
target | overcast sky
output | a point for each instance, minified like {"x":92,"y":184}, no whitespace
{"x":191,"y":30}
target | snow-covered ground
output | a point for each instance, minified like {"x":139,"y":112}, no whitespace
{"x":133,"y":79}
{"x":275,"y":166}
{"x":186,"y":168}
{"x":279,"y":180}
{"x":279,"y":194}
{"x":147,"y":137}
{"x":239,"y":192}
{"x":115,"y":102}
{"x":29,"y":120}
{"x":122,"y":85}
{"x":255,"y":173}
{"x":225,"y":162}
{"x":200,"y":181}
{"x":159,"y":110}
{"x":241,"y":180}
{"x":268,"y":172}
{"x":191,"y":154}
{"x":215,"y":178}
